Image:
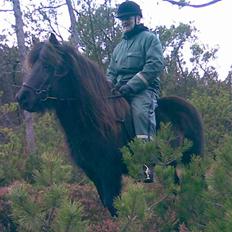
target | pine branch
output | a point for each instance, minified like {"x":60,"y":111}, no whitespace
{"x":47,"y":8}
{"x":48,"y":222}
{"x":157,"y":202}
{"x":128,"y":223}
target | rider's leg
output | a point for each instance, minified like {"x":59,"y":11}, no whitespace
{"x":143,"y":111}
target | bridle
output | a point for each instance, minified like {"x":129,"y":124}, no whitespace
{"x":43,"y":92}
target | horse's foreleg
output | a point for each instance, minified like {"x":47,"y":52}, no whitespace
{"x":110,"y":189}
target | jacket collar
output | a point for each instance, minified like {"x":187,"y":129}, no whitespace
{"x":136,"y":30}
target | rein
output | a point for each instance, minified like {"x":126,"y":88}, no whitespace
{"x":44,"y":94}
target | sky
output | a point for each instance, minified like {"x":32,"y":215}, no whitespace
{"x":213,"y":23}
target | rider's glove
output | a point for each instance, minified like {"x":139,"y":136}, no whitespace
{"x":115,"y":88}
{"x":126,"y":91}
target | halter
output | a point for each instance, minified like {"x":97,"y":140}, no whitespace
{"x":43,"y":93}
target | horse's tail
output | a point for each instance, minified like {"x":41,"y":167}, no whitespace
{"x":186,"y":120}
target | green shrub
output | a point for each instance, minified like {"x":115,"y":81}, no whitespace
{"x":45,"y":205}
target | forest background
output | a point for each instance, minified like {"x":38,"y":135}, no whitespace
{"x":40,"y":188}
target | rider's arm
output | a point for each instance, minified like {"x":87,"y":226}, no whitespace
{"x":153,"y":67}
{"x":111,"y":73}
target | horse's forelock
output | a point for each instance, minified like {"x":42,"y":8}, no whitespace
{"x":34,"y":54}
{"x":52,"y":55}
{"x":47,"y":53}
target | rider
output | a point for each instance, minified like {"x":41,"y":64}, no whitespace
{"x":134,"y":70}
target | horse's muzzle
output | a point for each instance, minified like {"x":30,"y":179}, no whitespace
{"x":26,"y":99}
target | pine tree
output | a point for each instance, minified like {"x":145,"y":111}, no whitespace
{"x":45,"y":205}
{"x":219,"y":193}
{"x":165,"y":205}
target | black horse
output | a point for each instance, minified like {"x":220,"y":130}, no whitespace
{"x":95,"y":125}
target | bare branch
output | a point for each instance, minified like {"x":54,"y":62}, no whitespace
{"x":48,"y":7}
{"x":182,"y":4}
{"x":1,"y":10}
{"x":106,"y":35}
{"x":77,"y":13}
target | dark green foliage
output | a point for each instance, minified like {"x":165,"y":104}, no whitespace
{"x":48,"y":134}
{"x":220,"y":190}
{"x":182,"y":75}
{"x":45,"y":206}
{"x":158,"y":151}
{"x":52,"y":170}
{"x":25,"y":211}
{"x":214,"y":103}
{"x":132,"y":208}
{"x":10,"y":77}
{"x":169,"y":204}
{"x":7,"y":224}
{"x":68,"y":218}
{"x":192,"y":203}
{"x":12,"y":161}
{"x":201,"y":201}
{"x":98,"y":30}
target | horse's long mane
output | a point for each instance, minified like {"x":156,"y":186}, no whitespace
{"x":95,"y":92}
{"x":89,"y":82}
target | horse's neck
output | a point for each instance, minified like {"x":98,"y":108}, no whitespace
{"x":69,"y":120}
{"x":74,"y":128}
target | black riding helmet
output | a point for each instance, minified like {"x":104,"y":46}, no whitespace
{"x":127,"y":9}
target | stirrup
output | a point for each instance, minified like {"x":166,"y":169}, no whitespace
{"x":148,"y":174}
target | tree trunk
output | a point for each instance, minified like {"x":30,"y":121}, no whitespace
{"x":74,"y":32}
{"x":30,"y":136}
{"x":92,"y":34}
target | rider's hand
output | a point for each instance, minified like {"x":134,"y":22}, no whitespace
{"x":126,"y":91}
{"x":115,"y":89}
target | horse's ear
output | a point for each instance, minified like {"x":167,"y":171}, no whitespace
{"x":53,"y":40}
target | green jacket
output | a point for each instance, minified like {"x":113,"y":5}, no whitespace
{"x":137,"y":61}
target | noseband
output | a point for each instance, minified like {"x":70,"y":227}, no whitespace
{"x":43,"y":93}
